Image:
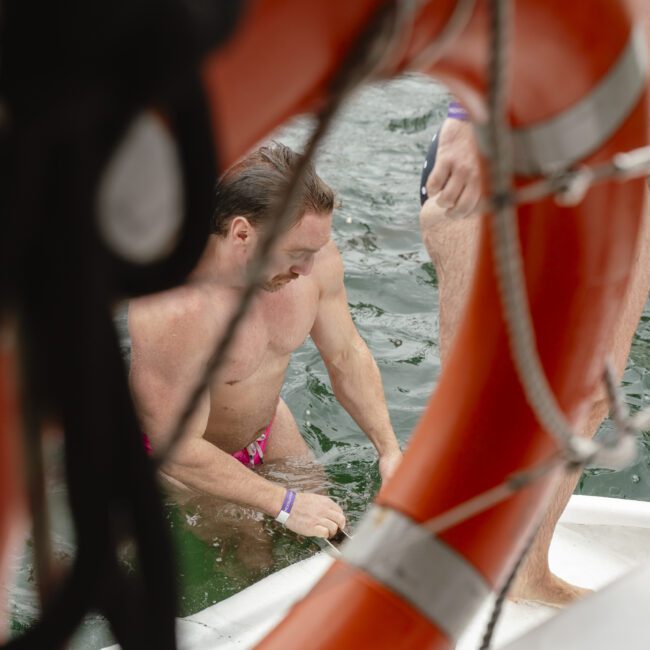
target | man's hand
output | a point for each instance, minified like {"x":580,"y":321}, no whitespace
{"x":388,"y":464}
{"x":455,"y":181}
{"x":315,"y":515}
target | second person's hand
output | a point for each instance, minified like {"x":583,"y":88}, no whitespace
{"x":455,"y":180}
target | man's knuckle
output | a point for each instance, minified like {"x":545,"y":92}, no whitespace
{"x":447,"y":195}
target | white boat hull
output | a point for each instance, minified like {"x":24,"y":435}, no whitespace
{"x":597,"y":542}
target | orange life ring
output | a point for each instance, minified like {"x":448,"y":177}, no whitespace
{"x":478,"y":428}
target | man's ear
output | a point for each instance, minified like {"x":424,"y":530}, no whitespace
{"x":241,"y":231}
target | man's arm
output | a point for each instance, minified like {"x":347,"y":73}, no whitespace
{"x":200,"y":465}
{"x":353,"y":372}
{"x":167,"y":360}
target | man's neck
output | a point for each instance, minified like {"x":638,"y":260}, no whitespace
{"x":218,"y":264}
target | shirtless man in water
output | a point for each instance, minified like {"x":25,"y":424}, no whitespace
{"x":241,"y":418}
{"x":450,"y":191}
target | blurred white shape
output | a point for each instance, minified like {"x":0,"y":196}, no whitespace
{"x":140,"y":197}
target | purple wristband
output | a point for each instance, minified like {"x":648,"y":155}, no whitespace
{"x":287,"y":504}
{"x":456,"y":111}
{"x":289,"y":498}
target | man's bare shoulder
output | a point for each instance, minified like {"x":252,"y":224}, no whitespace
{"x":181,"y":308}
{"x":177,"y":326}
{"x":328,"y":269}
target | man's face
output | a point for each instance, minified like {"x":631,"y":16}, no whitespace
{"x":295,"y":251}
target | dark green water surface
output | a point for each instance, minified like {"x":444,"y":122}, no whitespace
{"x":373,"y":159}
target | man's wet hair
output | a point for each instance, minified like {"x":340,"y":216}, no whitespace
{"x":255,"y":185}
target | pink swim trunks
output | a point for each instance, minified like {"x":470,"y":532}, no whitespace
{"x":147,"y":444}
{"x":252,"y":454}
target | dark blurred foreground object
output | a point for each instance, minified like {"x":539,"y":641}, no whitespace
{"x":75,"y":80}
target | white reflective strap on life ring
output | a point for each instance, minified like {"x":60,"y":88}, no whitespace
{"x":427,"y":573}
{"x":569,"y":137}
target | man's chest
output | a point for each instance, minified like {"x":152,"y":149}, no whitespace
{"x":288,"y":315}
{"x":276,"y":325}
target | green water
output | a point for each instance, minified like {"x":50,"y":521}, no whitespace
{"x":373,"y":159}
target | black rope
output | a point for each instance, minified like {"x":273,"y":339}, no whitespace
{"x":72,"y":79}
{"x":360,"y":62}
{"x":486,"y":642}
{"x":67,"y":114}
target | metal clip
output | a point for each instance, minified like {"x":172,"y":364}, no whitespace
{"x":335,"y":543}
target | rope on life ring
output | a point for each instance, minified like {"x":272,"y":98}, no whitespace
{"x":398,"y":585}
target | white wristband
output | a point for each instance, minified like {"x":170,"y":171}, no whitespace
{"x":282,"y":517}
